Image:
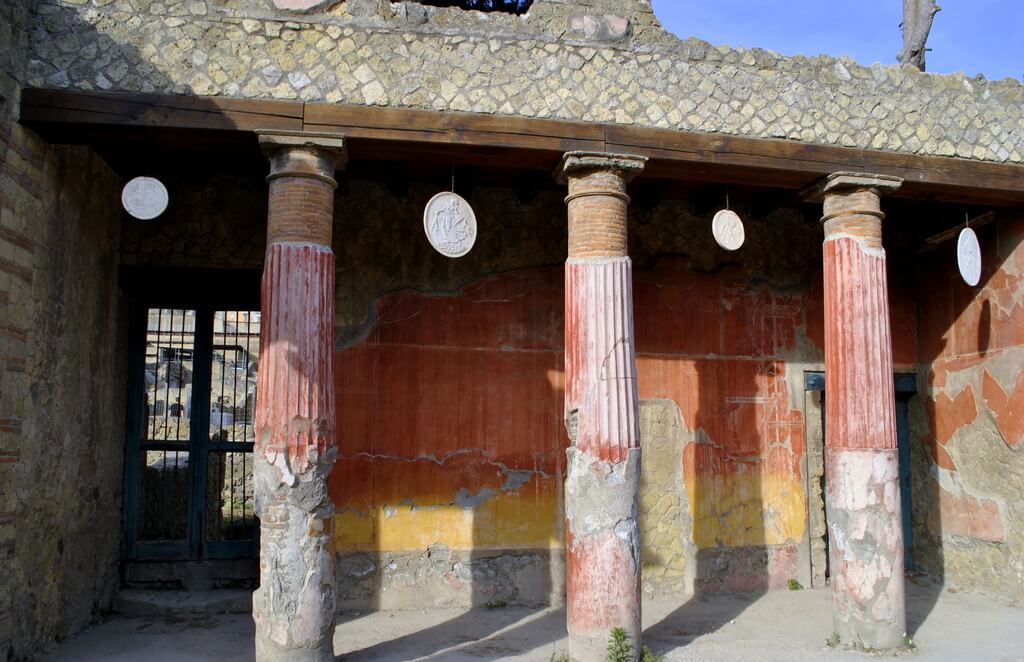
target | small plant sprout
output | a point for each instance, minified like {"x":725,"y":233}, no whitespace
{"x":647,"y":656}
{"x":619,"y":647}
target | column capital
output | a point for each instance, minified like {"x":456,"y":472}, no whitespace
{"x":846,"y":182}
{"x":302,"y":184}
{"x":304,"y":154}
{"x":626,"y":165}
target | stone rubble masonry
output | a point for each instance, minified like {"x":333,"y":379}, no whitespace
{"x":296,"y":442}
{"x":668,"y":554}
{"x":440,"y":577}
{"x":968,"y":514}
{"x":862,"y":492}
{"x":602,"y":407}
{"x":598,"y":61}
{"x":61,"y":375}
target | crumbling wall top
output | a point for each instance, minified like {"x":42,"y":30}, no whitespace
{"x":593,"y":60}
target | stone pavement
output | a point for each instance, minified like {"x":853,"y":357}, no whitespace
{"x":783,"y":626}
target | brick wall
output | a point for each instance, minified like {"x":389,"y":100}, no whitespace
{"x":15,"y":283}
{"x":61,"y":375}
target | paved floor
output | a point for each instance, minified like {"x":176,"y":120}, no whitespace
{"x":790,"y":626}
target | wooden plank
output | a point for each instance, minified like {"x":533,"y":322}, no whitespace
{"x":409,"y":125}
{"x":807,"y":161}
{"x":399,"y":133}
{"x":446,"y":155}
{"x":217,"y":113}
{"x":408,"y":119}
{"x":507,"y":141}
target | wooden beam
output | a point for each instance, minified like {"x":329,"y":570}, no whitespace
{"x":392,"y":134}
{"x":39,"y":106}
{"x":786,"y":163}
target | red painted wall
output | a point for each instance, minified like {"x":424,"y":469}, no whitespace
{"x":451,"y":394}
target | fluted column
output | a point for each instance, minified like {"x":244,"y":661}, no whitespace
{"x":602,"y":409}
{"x":295,"y":410}
{"x":862,"y":492}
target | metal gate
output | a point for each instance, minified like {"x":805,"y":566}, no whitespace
{"x":188,"y":466}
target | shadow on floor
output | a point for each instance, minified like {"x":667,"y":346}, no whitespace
{"x":479,"y":633}
{"x":696,"y":617}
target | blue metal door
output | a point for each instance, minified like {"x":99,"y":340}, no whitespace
{"x":188,"y":466}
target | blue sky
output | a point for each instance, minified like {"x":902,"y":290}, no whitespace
{"x":973,"y":36}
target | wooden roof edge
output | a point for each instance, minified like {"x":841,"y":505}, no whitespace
{"x":778,"y":162}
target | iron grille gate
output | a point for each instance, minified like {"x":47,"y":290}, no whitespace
{"x":188,"y":470}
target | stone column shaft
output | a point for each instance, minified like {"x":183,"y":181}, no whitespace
{"x":294,"y":607}
{"x":862,"y":491}
{"x":602,"y":408}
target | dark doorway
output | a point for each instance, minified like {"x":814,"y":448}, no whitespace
{"x":905,"y":388}
{"x":188,"y":492}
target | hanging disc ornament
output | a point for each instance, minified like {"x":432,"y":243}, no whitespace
{"x":450,"y":224}
{"x":145,"y":198}
{"x":728,"y":230}
{"x":968,"y":257}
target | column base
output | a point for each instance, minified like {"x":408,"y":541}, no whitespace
{"x":294,"y":607}
{"x":591,"y":647}
{"x":866,"y":547}
{"x":268,"y":651}
{"x":603,"y":555}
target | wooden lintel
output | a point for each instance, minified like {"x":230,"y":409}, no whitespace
{"x":519,"y":142}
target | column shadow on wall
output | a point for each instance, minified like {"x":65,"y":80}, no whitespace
{"x":957,"y":335}
{"x":724,"y":467}
{"x":464,"y":424}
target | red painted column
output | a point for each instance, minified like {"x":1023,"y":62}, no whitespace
{"x":862,"y":491}
{"x":295,"y":410}
{"x":602,"y":408}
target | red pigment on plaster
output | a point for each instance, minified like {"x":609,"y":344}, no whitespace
{"x":587,"y":570}
{"x":860,"y":413}
{"x":964,"y":515}
{"x":1007,"y":408}
{"x":484,"y":370}
{"x":600,"y":358}
{"x":296,"y":355}
{"x":951,"y":414}
{"x":472,"y":382}
{"x":903,"y":315}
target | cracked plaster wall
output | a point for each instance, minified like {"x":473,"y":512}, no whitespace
{"x":969,"y":518}
{"x":449,"y":378}
{"x":668,"y":554}
{"x":598,"y":61}
{"x":61,"y":376}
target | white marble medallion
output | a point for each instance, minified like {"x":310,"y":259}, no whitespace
{"x":728,"y":230}
{"x":968,"y":257}
{"x":450,"y":224}
{"x":145,"y":198}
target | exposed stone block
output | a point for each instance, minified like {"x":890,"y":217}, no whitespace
{"x":603,"y":27}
